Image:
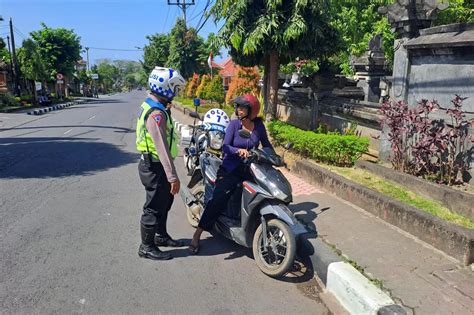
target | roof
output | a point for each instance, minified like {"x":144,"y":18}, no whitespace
{"x":229,"y":68}
{"x":215,"y":65}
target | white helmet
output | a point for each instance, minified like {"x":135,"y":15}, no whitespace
{"x":165,"y":82}
{"x":218,"y":118}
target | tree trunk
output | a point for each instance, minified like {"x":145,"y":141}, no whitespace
{"x":273,"y":93}
{"x":266,"y":85}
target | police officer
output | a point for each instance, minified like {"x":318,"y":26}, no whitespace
{"x":157,"y":144}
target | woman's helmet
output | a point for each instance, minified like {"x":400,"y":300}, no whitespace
{"x":250,"y":102}
{"x":165,"y":82}
{"x":218,"y":118}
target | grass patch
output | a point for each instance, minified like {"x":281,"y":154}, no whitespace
{"x":398,"y":192}
{"x":189,"y":103}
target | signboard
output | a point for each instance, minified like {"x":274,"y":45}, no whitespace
{"x":60,"y":82}
{"x":59,"y":76}
{"x":95,"y":76}
{"x":38,"y":86}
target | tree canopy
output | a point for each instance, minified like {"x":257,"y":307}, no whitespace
{"x":59,"y":48}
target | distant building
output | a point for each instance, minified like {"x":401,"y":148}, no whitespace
{"x":228,"y":70}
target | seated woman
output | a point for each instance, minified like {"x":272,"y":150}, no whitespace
{"x":233,"y":171}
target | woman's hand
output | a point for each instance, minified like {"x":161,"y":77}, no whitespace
{"x":243,"y":153}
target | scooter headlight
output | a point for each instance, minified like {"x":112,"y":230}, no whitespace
{"x":216,"y":139}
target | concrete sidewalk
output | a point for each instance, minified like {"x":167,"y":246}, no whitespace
{"x":420,"y":278}
{"x":415,"y":275}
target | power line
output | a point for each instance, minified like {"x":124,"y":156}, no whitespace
{"x":114,"y":49}
{"x":21,"y":33}
{"x":182,"y":4}
{"x":166,"y":20}
{"x":199,"y":26}
{"x":200,"y":13}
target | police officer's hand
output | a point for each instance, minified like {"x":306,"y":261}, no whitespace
{"x":175,"y":187}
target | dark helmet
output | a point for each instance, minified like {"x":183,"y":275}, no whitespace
{"x":250,"y":102}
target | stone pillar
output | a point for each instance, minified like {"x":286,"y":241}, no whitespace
{"x":370,"y":68}
{"x":406,"y":17}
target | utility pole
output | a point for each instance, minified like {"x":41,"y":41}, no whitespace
{"x":87,"y":50}
{"x":16,"y":68}
{"x":11,"y":62}
{"x":182,"y":4}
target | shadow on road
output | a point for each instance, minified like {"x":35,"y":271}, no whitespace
{"x":211,"y":246}
{"x":117,"y":129}
{"x":104,"y":101}
{"x":58,"y":157}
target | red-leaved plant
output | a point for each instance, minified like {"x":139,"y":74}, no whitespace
{"x":433,"y":149}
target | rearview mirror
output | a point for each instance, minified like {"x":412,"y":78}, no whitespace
{"x":244,"y":133}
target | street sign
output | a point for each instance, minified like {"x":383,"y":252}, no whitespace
{"x":59,"y":76}
{"x":60,"y":82}
{"x":38,"y":86}
{"x":95,"y":76}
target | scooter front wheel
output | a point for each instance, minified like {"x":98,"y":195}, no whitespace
{"x":278,"y":256}
{"x":193,"y":212}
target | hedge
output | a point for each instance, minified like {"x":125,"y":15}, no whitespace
{"x":332,"y":148}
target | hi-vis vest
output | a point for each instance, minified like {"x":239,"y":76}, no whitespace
{"x":144,"y":141}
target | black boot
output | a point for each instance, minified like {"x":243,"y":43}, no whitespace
{"x":148,"y":248}
{"x":166,"y":241}
{"x":162,"y":238}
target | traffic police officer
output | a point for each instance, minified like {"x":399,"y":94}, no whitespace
{"x":157,"y":144}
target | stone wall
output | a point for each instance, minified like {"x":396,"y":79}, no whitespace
{"x":296,"y":107}
{"x":441,"y":64}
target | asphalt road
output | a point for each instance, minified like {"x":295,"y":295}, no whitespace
{"x":70,"y":203}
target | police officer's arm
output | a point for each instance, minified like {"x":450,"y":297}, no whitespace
{"x":156,"y":126}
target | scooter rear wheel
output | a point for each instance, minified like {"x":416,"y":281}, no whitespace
{"x":277,"y":258}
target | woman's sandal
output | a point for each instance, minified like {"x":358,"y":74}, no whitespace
{"x":193,"y":250}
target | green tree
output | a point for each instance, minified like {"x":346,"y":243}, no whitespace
{"x":156,"y":52}
{"x":32,"y":66}
{"x":60,"y":49}
{"x":4,"y":54}
{"x":272,"y":31}
{"x":215,"y":90}
{"x":130,"y":80}
{"x":459,"y":11}
{"x":109,"y":77}
{"x":187,"y":50}
{"x":357,"y":21}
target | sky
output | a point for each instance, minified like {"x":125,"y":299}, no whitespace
{"x":110,"y":24}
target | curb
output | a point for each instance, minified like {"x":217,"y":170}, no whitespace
{"x":452,"y":239}
{"x":188,"y":111}
{"x":457,"y":201}
{"x":350,"y":287}
{"x":54,"y":107}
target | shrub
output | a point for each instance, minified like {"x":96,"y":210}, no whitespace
{"x":8,"y":100}
{"x":201,"y":90}
{"x":428,"y":148}
{"x":245,"y":82}
{"x":192,"y":86}
{"x":215,"y":90}
{"x":331,"y":148}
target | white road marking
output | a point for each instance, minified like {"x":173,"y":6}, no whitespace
{"x":67,"y":131}
{"x":92,"y":117}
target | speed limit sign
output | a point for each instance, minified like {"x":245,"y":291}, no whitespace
{"x":59,"y":76}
